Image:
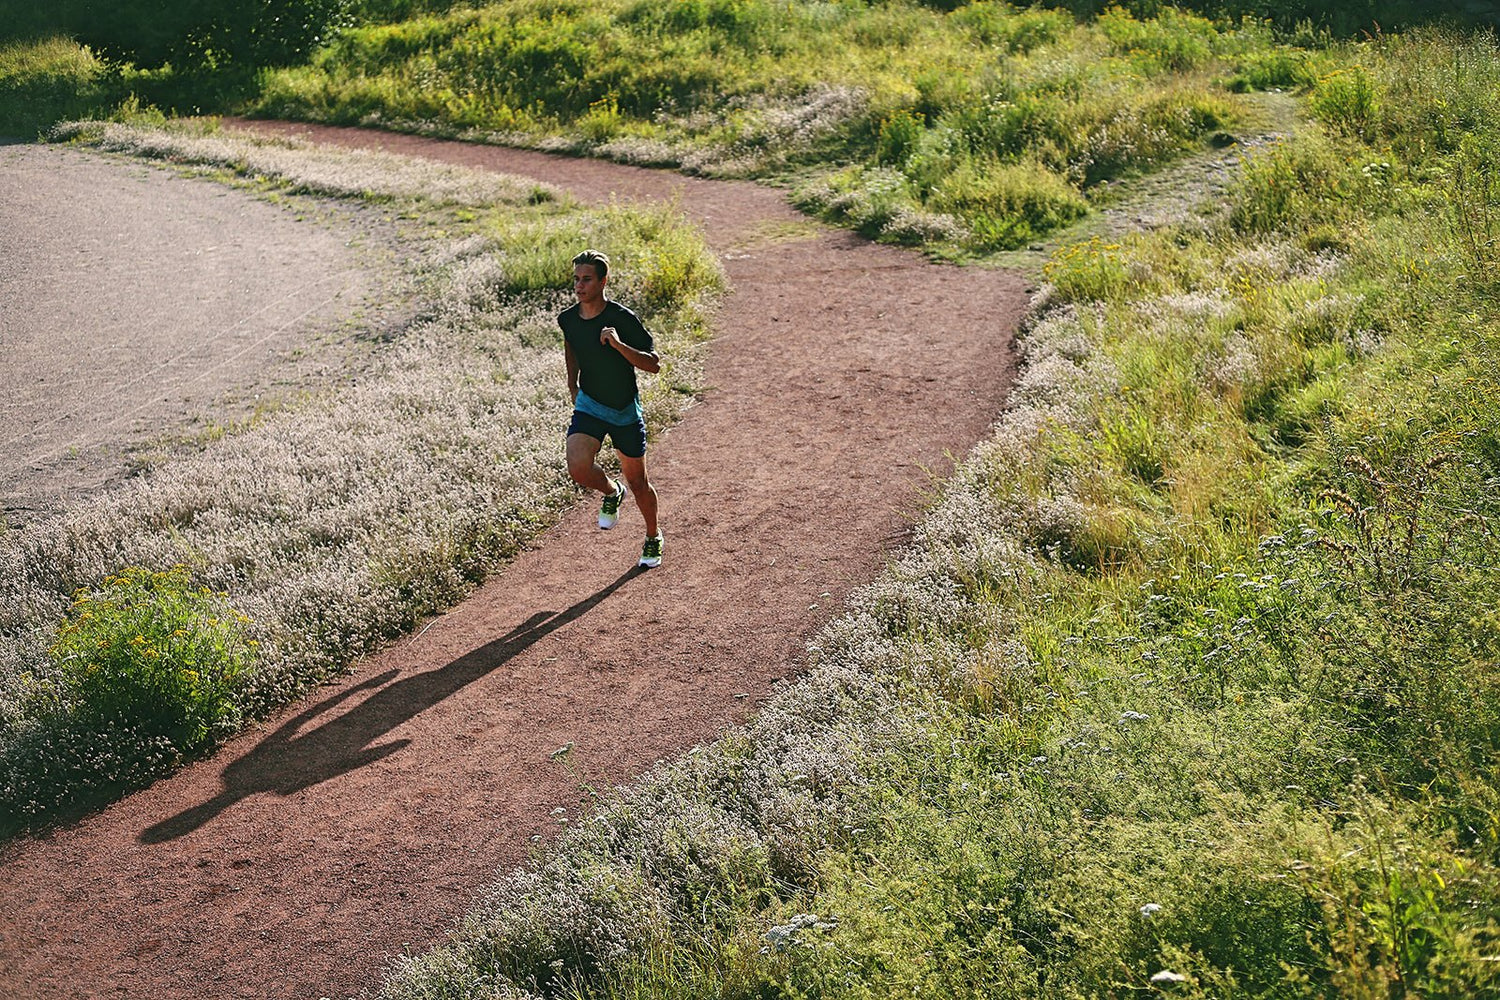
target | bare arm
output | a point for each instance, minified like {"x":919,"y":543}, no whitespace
{"x":572,"y":364}
{"x":646,"y":361}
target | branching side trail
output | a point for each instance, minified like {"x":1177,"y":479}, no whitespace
{"x":360,"y":823}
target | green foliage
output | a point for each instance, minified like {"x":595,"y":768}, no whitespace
{"x":1346,"y":100}
{"x":1295,"y":187}
{"x":1280,"y":68}
{"x":149,"y":650}
{"x":1473,"y":187}
{"x":201,"y":33}
{"x":1017,"y":31}
{"x":46,"y":80}
{"x":1440,"y":88}
{"x":1084,"y":272}
{"x":751,"y":87}
{"x":147,"y":669}
{"x":1007,"y":204}
{"x":897,"y":142}
{"x":1343,"y":17}
{"x":1170,"y":41}
{"x":865,"y":200}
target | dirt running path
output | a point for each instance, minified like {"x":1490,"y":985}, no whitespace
{"x":305,"y":855}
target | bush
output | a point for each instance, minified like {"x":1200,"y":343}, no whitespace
{"x":202,"y":33}
{"x":46,"y":80}
{"x":1292,"y":187}
{"x":1171,"y":41}
{"x":999,"y":25}
{"x":1008,"y":204}
{"x":1278,"y":69}
{"x":147,"y":669}
{"x":1347,"y":101}
{"x":1081,"y":272}
{"x":149,"y":650}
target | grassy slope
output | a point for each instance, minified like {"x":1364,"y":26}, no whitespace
{"x":964,"y":131}
{"x":1189,"y":681}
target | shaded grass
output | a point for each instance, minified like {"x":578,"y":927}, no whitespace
{"x":47,"y":80}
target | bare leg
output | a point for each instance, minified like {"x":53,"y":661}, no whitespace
{"x":641,"y":489}
{"x":583,"y":452}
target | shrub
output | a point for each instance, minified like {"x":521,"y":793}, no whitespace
{"x":1007,"y":205}
{"x":1280,"y":68}
{"x":1172,"y":40}
{"x":1292,"y":187}
{"x":202,"y":33}
{"x":1082,"y":272}
{"x":146,"y":669}
{"x":864,"y":199}
{"x":1347,"y":101}
{"x":899,"y":134}
{"x":1019,"y":32}
{"x":1440,"y":88}
{"x":1473,"y":186}
{"x":151,"y":651}
{"x":45,"y":80}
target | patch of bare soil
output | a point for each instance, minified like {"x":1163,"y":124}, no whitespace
{"x":362,"y":823}
{"x":137,"y":305}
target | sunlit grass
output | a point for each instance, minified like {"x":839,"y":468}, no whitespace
{"x":1187,"y":682}
{"x":1000,"y":143}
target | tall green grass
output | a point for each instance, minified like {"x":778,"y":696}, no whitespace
{"x":1189,"y":682}
{"x":44,"y":81}
{"x":972,"y":130}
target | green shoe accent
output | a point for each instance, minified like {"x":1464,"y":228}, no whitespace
{"x":609,"y":511}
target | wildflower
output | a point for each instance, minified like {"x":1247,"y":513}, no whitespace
{"x":1167,"y":976}
{"x":1150,"y":909}
{"x":1129,"y":716}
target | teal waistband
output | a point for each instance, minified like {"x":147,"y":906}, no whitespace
{"x":585,"y":403}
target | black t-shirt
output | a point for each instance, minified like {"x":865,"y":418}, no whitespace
{"x":603,"y":372}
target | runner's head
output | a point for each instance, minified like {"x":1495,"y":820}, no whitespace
{"x":595,"y":259}
{"x":590,"y":273}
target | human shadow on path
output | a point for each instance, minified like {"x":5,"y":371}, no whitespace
{"x":288,"y":761}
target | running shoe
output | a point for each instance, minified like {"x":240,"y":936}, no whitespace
{"x":651,"y":552}
{"x":609,"y":511}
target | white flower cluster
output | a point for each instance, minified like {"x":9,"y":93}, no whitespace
{"x":769,"y":132}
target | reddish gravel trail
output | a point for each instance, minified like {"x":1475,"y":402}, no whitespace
{"x":307,"y":853}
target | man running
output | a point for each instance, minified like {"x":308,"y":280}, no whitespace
{"x":604,"y":343}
